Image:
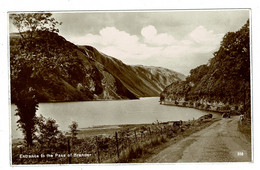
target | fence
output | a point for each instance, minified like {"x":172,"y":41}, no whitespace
{"x":123,"y":146}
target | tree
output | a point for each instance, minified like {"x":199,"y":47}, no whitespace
{"x":26,"y":108}
{"x":24,"y":60}
{"x":74,"y":129}
{"x":49,"y":136}
{"x":226,"y":78}
{"x":28,"y":24}
{"x":233,"y":59}
{"x":48,"y":130}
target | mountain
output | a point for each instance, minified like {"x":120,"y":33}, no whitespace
{"x":57,"y":70}
{"x":225,"y":79}
{"x":142,"y":81}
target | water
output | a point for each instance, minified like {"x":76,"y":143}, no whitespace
{"x":92,"y":113}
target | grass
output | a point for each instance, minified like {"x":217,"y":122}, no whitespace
{"x":140,"y":149}
{"x":135,"y":143}
{"x":245,"y":128}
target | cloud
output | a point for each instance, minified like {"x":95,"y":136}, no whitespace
{"x":203,"y":36}
{"x":107,"y":36}
{"x":112,"y":36}
{"x":153,"y":48}
{"x":152,"y":37}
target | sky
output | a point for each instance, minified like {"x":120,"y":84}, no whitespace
{"x":179,"y":40}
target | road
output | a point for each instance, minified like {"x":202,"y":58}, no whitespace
{"x":220,"y":142}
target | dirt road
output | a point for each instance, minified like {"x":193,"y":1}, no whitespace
{"x":220,"y":142}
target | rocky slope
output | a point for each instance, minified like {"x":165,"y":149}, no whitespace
{"x":58,"y":70}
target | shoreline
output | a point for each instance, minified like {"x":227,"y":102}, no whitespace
{"x":107,"y":130}
{"x":17,"y":134}
{"x":99,"y":100}
{"x":232,"y":112}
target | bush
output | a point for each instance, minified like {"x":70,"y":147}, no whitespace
{"x":48,"y":132}
{"x":131,"y":153}
{"x":197,"y":105}
{"x":226,"y":107}
{"x":163,"y":139}
{"x":245,"y":128}
{"x":74,"y":129}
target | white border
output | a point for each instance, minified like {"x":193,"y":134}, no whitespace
{"x":57,"y":5}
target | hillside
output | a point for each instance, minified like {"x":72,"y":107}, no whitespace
{"x":223,"y":82}
{"x":57,"y":70}
{"x":142,"y":81}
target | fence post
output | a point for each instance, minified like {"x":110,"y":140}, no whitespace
{"x":149,"y":129}
{"x":69,"y":156}
{"x":97,"y":149}
{"x":21,"y":152}
{"x":163,"y":129}
{"x":117,"y":147}
{"x":135,"y":137}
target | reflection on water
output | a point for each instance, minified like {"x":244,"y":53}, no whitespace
{"x":91,"y":113}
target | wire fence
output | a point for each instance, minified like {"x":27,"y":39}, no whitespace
{"x":123,"y":146}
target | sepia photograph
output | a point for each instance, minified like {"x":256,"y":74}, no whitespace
{"x":130,"y":86}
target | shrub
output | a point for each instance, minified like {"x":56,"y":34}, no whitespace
{"x":163,"y":139}
{"x":137,"y":150}
{"x":131,"y":153}
{"x":198,"y":104}
{"x":74,"y":129}
{"x":226,"y":107}
{"x":48,"y":131}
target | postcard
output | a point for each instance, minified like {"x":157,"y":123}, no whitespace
{"x":148,"y":86}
